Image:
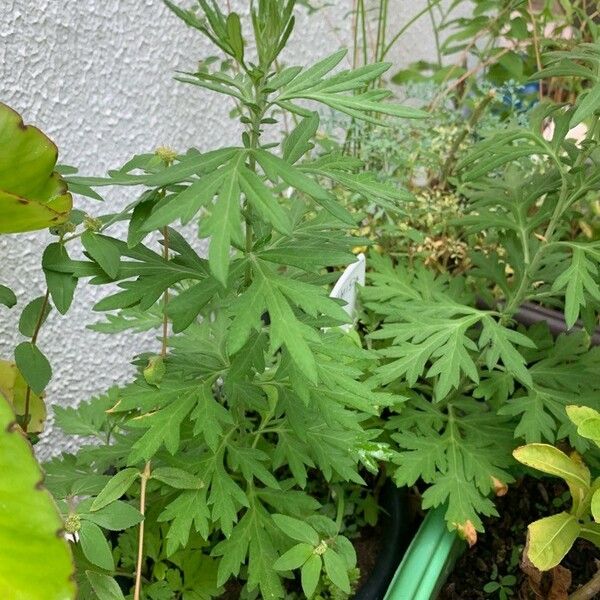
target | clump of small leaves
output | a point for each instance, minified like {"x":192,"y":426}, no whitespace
{"x":205,"y":458}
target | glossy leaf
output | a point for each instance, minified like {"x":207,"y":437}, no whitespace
{"x":35,"y":560}
{"x":552,"y":461}
{"x":32,"y":196}
{"x":14,"y":388}
{"x":550,"y":539}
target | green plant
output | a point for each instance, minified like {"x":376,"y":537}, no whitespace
{"x":34,"y":556}
{"x":32,"y":195}
{"x":552,"y":537}
{"x":500,"y":584}
{"x":470,"y":382}
{"x":501,"y":42}
{"x":255,"y":390}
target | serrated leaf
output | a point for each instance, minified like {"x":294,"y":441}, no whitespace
{"x":210,"y":417}
{"x":163,"y":427}
{"x":225,"y":498}
{"x":276,"y":167}
{"x":188,"y":509}
{"x":263,"y":201}
{"x":187,"y":203}
{"x":578,"y":282}
{"x":224,"y":224}
{"x":503,"y":342}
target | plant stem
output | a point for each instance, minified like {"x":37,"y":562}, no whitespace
{"x":255,"y":132}
{"x":355,"y":34}
{"x":436,"y":35}
{"x":363,"y":18}
{"x":146,"y":474}
{"x":165,"y":327}
{"x":530,"y":270}
{"x":589,"y":590}
{"x":536,"y":46}
{"x":475,"y":116}
{"x":34,"y":338}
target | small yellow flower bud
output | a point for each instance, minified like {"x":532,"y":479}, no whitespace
{"x":72,"y":523}
{"x":167,"y":155}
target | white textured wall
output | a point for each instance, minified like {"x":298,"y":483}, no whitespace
{"x":96,"y":76}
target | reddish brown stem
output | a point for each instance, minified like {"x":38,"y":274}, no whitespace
{"x":34,"y":338}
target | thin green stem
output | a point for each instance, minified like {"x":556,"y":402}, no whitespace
{"x":529,"y":272}
{"x":261,"y":101}
{"x":436,"y":35}
{"x":407,"y":26}
{"x":363,"y":20}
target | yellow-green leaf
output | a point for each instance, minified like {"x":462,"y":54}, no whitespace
{"x":553,"y":461}
{"x":550,"y":539}
{"x":14,"y":388}
{"x":32,"y":195}
{"x":35,"y":561}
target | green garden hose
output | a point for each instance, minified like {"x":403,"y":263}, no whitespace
{"x":428,"y":560}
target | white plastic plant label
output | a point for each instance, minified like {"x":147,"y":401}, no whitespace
{"x":346,"y":287}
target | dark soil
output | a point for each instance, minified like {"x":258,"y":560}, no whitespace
{"x":368,"y":547}
{"x":498,"y":551}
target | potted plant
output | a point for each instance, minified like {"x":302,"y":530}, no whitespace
{"x":230,"y":463}
{"x":469,"y":382}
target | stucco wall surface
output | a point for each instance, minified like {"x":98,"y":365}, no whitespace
{"x":97,"y":77}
